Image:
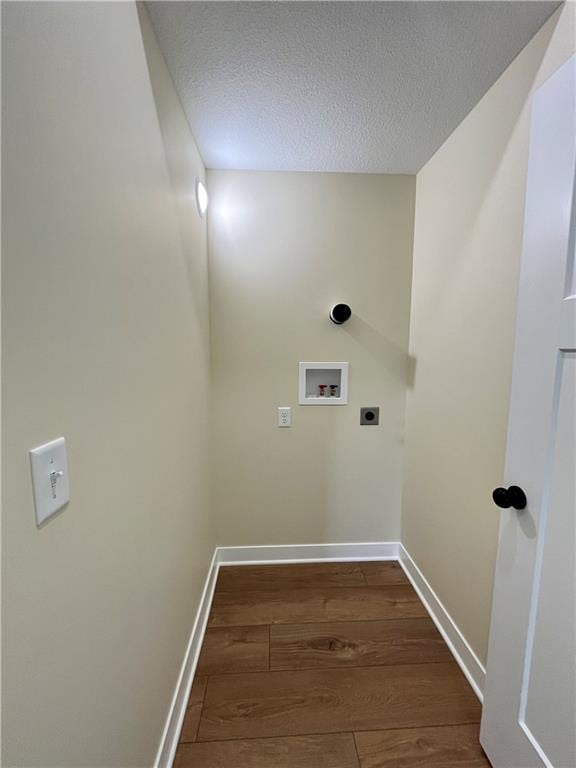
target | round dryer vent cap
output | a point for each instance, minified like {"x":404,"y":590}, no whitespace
{"x":340,"y":313}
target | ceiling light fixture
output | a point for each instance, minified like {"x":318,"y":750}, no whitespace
{"x":201,"y":198}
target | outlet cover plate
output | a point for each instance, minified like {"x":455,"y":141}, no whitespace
{"x":284,"y":416}
{"x":370,"y":417}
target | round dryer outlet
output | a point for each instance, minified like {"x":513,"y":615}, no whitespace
{"x":369,"y":416}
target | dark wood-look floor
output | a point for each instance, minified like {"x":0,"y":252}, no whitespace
{"x":326,"y":666}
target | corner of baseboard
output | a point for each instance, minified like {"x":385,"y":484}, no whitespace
{"x":171,"y":733}
{"x":463,"y":653}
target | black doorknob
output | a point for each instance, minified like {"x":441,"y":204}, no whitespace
{"x":510,"y":497}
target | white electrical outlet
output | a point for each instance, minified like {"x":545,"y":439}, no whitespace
{"x":285,"y":416}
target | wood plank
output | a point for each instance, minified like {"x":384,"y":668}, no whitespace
{"x":333,"y":751}
{"x":266,"y":704}
{"x":447,"y":747}
{"x":380,"y":574}
{"x":355,"y":644}
{"x":300,"y":606}
{"x":194,"y":709}
{"x":268,"y":577}
{"x":234,"y":649}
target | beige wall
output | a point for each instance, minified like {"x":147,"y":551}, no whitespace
{"x":468,"y":235}
{"x":105,"y":342}
{"x":284,"y":247}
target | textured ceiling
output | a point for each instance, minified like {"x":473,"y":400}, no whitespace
{"x":365,"y":87}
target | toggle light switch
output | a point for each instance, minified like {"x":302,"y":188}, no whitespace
{"x":49,"y":478}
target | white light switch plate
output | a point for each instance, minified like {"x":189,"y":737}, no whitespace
{"x":49,"y":478}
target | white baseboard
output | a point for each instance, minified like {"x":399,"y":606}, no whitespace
{"x":171,"y":734}
{"x":307,"y":553}
{"x":269,"y":554}
{"x":469,"y":663}
{"x":258,"y":555}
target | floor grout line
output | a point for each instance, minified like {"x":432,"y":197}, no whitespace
{"x":356,"y":748}
{"x":334,"y":733}
{"x":274,"y":590}
{"x":291,"y":736}
{"x":316,"y":621}
{"x":293,"y":624}
{"x":201,"y":708}
{"x":332,"y":669}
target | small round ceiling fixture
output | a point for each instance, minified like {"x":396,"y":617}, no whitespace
{"x":201,"y":198}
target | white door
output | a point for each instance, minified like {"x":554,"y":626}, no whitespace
{"x":529,"y":714}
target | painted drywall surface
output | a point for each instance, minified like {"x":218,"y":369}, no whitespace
{"x":284,"y":247}
{"x":105,"y":342}
{"x":468,"y":239}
